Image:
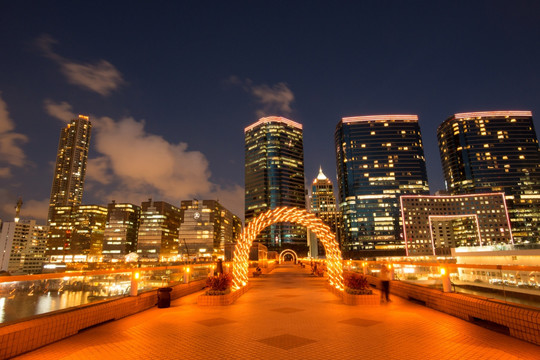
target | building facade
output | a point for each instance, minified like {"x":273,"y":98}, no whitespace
{"x":495,"y":151}
{"x":274,"y":177}
{"x":206,"y":229}
{"x":22,"y":247}
{"x":158,"y":232}
{"x":435,"y":224}
{"x":379,"y":159}
{"x":121,"y":230}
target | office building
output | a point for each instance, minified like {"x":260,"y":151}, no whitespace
{"x":206,"y":229}
{"x":158,"y":232}
{"x":88,"y":233}
{"x":121,"y":230}
{"x":432,"y":225}
{"x":379,"y":159}
{"x":22,"y":247}
{"x":274,"y":177}
{"x":76,"y":233}
{"x":495,"y":151}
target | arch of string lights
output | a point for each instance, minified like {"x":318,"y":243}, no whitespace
{"x":287,"y":214}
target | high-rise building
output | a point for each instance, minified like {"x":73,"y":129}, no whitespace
{"x":121,"y":230}
{"x":158,"y":232}
{"x":323,"y":204}
{"x":274,"y":177}
{"x":433,"y":225}
{"x":22,"y":247}
{"x":70,"y":168}
{"x":205,"y":230}
{"x":379,"y":158}
{"x":495,"y":151}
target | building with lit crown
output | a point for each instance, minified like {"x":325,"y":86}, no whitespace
{"x":274,"y":177}
{"x":323,"y":204}
{"x":121,"y":230}
{"x":433,"y":225}
{"x":206,"y":229}
{"x":379,"y":159}
{"x":158,"y":232}
{"x":495,"y":151}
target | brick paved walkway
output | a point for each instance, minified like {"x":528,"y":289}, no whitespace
{"x":288,"y":315}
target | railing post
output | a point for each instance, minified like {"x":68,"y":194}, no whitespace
{"x":134,"y":283}
{"x":446,"y":283}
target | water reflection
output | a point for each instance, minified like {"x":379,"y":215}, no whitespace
{"x":20,"y":305}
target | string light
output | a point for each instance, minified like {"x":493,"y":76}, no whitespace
{"x":294,"y":215}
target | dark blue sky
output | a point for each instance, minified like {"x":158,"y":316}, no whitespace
{"x":170,"y":85}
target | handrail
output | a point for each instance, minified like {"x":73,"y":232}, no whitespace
{"x":13,"y":278}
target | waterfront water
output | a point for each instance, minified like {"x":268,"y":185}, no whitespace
{"x":21,"y":305}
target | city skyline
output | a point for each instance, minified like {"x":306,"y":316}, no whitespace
{"x":184,"y":88}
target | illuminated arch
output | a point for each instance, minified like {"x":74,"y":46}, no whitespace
{"x":297,"y":216}
{"x":288,"y":251}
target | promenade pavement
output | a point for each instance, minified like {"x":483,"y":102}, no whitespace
{"x":288,"y":314}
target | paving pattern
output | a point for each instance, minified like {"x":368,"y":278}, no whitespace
{"x":288,"y":314}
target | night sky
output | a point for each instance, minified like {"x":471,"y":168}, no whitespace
{"x":170,"y":85}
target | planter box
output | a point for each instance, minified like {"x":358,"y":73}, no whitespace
{"x":222,"y":300}
{"x":349,"y":299}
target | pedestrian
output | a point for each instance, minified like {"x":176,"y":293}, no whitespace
{"x":385,"y":283}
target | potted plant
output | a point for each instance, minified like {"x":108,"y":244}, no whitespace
{"x":356,"y":284}
{"x":219,"y":284}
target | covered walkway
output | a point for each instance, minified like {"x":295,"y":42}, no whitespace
{"x":288,"y":314}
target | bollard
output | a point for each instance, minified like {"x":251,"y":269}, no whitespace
{"x":186,"y":275}
{"x":134,"y":284}
{"x":446,"y":283}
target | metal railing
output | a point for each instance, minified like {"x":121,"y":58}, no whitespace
{"x":509,"y":283}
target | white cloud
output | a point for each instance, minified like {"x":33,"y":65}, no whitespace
{"x":62,"y":111}
{"x":101,"y":77}
{"x":11,"y":152}
{"x":134,"y":165}
{"x":274,"y":100}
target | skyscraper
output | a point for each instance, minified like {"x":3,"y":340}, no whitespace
{"x":495,"y":151}
{"x":274,"y":176}
{"x":379,"y":158}
{"x":67,"y":185}
{"x":70,"y":168}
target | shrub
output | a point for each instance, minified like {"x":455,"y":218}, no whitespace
{"x":356,"y":284}
{"x":219,"y":285}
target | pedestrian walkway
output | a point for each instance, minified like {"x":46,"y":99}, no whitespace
{"x":288,"y":314}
